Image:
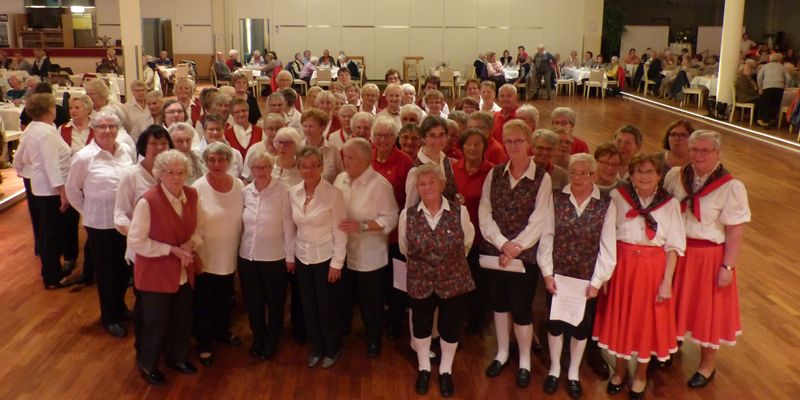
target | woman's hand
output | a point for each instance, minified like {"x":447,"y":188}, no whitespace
{"x":183,"y":255}
{"x":188,"y":246}
{"x":550,"y":284}
{"x":349,"y":226}
{"x":334,"y":275}
{"x":62,"y":194}
{"x":664,"y":292}
{"x":725,"y":277}
{"x":511,"y":249}
{"x":591,"y":292}
{"x":290,"y":267}
{"x":504,"y":260}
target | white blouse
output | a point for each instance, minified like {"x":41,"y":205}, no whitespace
{"x":269,"y":231}
{"x":135,"y":180}
{"x":286,"y":176}
{"x":223,"y":216}
{"x":256,"y":148}
{"x":79,"y":137}
{"x":93,"y":182}
{"x":331,"y":161}
{"x":670,"y":233}
{"x":607,"y":254}
{"x":43,"y":157}
{"x":727,"y":205}
{"x":140,"y":118}
{"x":541,"y":217}
{"x":318,"y":235}
{"x":337,"y":139}
{"x":433,"y":220}
{"x":412,"y":196}
{"x":369,"y":197}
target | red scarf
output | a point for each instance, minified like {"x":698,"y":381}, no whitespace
{"x":719,"y":177}
{"x":630,"y":196}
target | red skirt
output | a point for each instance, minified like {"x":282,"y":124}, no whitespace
{"x":703,"y":309}
{"x":629,"y":320}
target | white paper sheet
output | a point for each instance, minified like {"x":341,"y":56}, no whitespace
{"x":492,"y":262}
{"x":569,"y":302}
{"x":399,"y":279}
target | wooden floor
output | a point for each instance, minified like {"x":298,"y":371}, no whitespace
{"x":52,"y":345}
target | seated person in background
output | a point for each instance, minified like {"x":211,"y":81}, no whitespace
{"x":522,"y":55}
{"x":256,"y":60}
{"x":163,"y":60}
{"x":612,"y":69}
{"x":41,"y":64}
{"x":16,"y":90}
{"x":599,"y":62}
{"x":221,"y":68}
{"x":588,"y":60}
{"x":506,"y":59}
{"x":150,"y":74}
{"x":19,"y":63}
{"x":62,"y":115}
{"x":480,"y":67}
{"x":792,"y":71}
{"x":654,"y":72}
{"x":5,"y":62}
{"x":272,"y":63}
{"x":494,"y":70}
{"x":233,"y":62}
{"x":308,"y":70}
{"x":572,"y":61}
{"x":346,"y":63}
{"x":296,"y":66}
{"x":108,"y":63}
{"x":631,"y":58}
{"x":326,"y":59}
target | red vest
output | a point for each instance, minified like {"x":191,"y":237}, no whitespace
{"x":163,"y":274}
{"x":196,"y":112}
{"x":66,"y":134}
{"x":230,"y":136}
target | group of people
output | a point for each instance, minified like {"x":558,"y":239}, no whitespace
{"x":40,"y":66}
{"x":328,"y":197}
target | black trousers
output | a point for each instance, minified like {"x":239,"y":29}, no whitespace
{"x":33,"y":210}
{"x":113,"y":273}
{"x":297,"y":318}
{"x":321,"y":307}
{"x":580,"y":332}
{"x":369,"y":286}
{"x":547,"y":76}
{"x":69,"y":248}
{"x":478,"y":299}
{"x":513,"y":292}
{"x":396,"y":300}
{"x":264,"y":284}
{"x":451,"y":316}
{"x":769,"y":104}
{"x":166,"y":324}
{"x":212,"y":309}
{"x":52,"y":234}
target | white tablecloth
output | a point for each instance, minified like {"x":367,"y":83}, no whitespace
{"x":579,"y":74}
{"x":59,"y":92}
{"x":334,"y":72}
{"x":10,"y":113}
{"x":511,"y":73}
{"x":167,"y":72}
{"x":630,"y":69}
{"x":709,"y":82}
{"x":116,"y":83}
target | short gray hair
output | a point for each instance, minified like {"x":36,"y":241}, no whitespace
{"x":106,"y":114}
{"x":408,"y":88}
{"x":411,"y":108}
{"x":309,"y":151}
{"x":182,"y":127}
{"x":565,"y":111}
{"x":549,"y":136}
{"x":361,"y":145}
{"x":583,"y":157}
{"x":430,"y":168}
{"x":350,"y":107}
{"x":527,"y":110}
{"x":361,"y":116}
{"x":385,"y":121}
{"x":509,"y":87}
{"x":168,"y":157}
{"x":260,"y":156}
{"x":372,"y":87}
{"x":218,"y":148}
{"x":291,"y":134}
{"x":713,"y":136}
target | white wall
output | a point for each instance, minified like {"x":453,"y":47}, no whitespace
{"x":640,"y":37}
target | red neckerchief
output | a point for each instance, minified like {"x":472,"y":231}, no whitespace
{"x":719,"y":177}
{"x":629,"y":194}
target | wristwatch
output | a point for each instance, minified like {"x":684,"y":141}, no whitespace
{"x":728,"y":267}
{"x":363,"y":226}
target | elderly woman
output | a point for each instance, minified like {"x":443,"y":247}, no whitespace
{"x":409,"y":140}
{"x":221,"y":201}
{"x":78,"y":133}
{"x":308,"y":70}
{"x":94,"y":179}
{"x":266,"y":254}
{"x":468,"y":105}
{"x":285,"y":170}
{"x":451,"y":149}
{"x":488,"y":94}
{"x":435,"y":235}
{"x":410,"y":114}
{"x":165,"y":230}
{"x":154,"y":100}
{"x":608,"y":159}
{"x":470,"y":173}
{"x":272,"y":123}
{"x":676,"y":145}
{"x":241,"y":84}
{"x":371,"y":216}
{"x":353,"y":94}
{"x":361,"y":125}
{"x":98,"y":91}
{"x":544,"y":147}
{"x":338,"y":138}
{"x":221,"y":105}
{"x":182,"y":140}
{"x":409,"y":94}
{"x":172,"y":111}
{"x":511,"y":230}
{"x":434,"y":137}
{"x":494,"y":151}
{"x":706,"y":295}
{"x":745,"y":84}
{"x":184,"y":93}
{"x":636,"y":318}
{"x":562,"y":119}
{"x":581,"y":245}
{"x":43,"y":159}
{"x":326,"y":102}
{"x":369,"y":98}
{"x":212,"y":133}
{"x":494,"y":70}
{"x":243,"y":134}
{"x":772,"y":79}
{"x":629,"y":141}
{"x":320,"y":250}
{"x":434,"y":104}
{"x":314,"y":121}
{"x":233,"y":62}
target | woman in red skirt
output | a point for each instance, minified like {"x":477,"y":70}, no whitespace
{"x":636,"y":318}
{"x":715,"y":210}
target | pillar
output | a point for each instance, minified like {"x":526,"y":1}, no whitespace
{"x":130,"y":25}
{"x":729,"y":56}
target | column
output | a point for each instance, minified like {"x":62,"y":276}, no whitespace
{"x":729,"y":56}
{"x":130,"y":25}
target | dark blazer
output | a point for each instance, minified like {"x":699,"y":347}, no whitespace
{"x":43,"y":70}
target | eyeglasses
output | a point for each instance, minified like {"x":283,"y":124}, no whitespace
{"x":283,"y":142}
{"x":383,"y":136}
{"x":702,"y":152}
{"x":515,"y":142}
{"x":175,"y":172}
{"x":580,"y":174}
{"x":174,"y":112}
{"x":436,"y":136}
{"x":105,"y":127}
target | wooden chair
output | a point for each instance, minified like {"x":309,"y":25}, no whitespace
{"x":646,"y":82}
{"x":303,"y":85}
{"x":362,"y":69}
{"x":408,"y":61}
{"x":743,"y":106}
{"x":413,"y":75}
{"x":252,"y":84}
{"x":216,"y":81}
{"x":182,"y":71}
{"x":688,"y":92}
{"x":595,"y":81}
{"x":782,"y":115}
{"x":448,"y":80}
{"x":324,"y":77}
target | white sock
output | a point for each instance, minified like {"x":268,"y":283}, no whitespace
{"x":524,"y":335}
{"x":501,"y":322}
{"x":576,"y":348}
{"x":423,"y":347}
{"x":448,"y":354}
{"x":555,"y":343}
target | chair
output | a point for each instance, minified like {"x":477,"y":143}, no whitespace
{"x":303,"y":85}
{"x":408,"y":61}
{"x":182,"y":71}
{"x":362,"y":69}
{"x":324,"y":77}
{"x":216,"y":81}
{"x":252,"y":84}
{"x":646,"y":81}
{"x":596,"y":78}
{"x":448,"y":80}
{"x":413,"y":75}
{"x":782,"y":115}
{"x":743,"y":106}
{"x":688,"y":92}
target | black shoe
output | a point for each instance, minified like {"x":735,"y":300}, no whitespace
{"x":523,"y":378}
{"x":231,"y":340}
{"x":154,"y":377}
{"x":67,"y":267}
{"x":127,"y":315}
{"x":550,"y":384}
{"x":698,"y":380}
{"x":115,"y":330}
{"x":185,"y":368}
{"x":423,"y":382}
{"x":612,"y":388}
{"x":495,"y":368}
{"x":446,"y":386}
{"x":206,"y":361}
{"x":574,"y":389}
{"x":85,"y":280}
{"x":58,"y":285}
{"x":374,"y":350}
{"x":598,"y":363}
{"x":635,"y":395}
{"x":268,"y":350}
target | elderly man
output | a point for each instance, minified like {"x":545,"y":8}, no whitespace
{"x":221,"y":68}
{"x":507,"y":100}
{"x":629,"y":140}
{"x":233,"y":62}
{"x":543,"y":62}
{"x":17,"y":90}
{"x":562,"y":119}
{"x":163,"y":60}
{"x":544,"y":147}
{"x":137,"y":109}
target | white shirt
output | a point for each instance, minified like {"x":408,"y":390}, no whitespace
{"x":269,"y":230}
{"x":135,"y":180}
{"x":727,"y":205}
{"x":45,"y":158}
{"x":128,"y":145}
{"x":223,"y":216}
{"x":373,"y":111}
{"x":337,"y":139}
{"x":138,"y":236}
{"x":412,"y":196}
{"x":286,"y":176}
{"x":331,"y":161}
{"x":140,"y":118}
{"x":93,"y":183}
{"x":495,"y":107}
{"x":433,"y":220}
{"x":670,"y":233}
{"x":79,"y":136}
{"x":318,"y":234}
{"x":387,"y":113}
{"x":541,"y":217}
{"x":243,"y":135}
{"x":607,"y":253}
{"x":292,"y":118}
{"x":369,"y":197}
